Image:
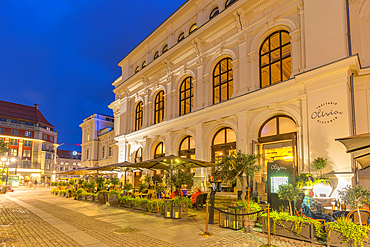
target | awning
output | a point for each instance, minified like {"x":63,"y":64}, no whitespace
{"x":359,"y":146}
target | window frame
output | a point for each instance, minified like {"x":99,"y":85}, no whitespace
{"x":165,"y":48}
{"x":191,"y":29}
{"x":215,"y":11}
{"x":229,"y":82}
{"x":279,"y":61}
{"x":185,"y":99}
{"x":156,"y":55}
{"x":159,"y":98}
{"x":180,"y":37}
{"x":162,"y":154}
{"x":137,"y":69}
{"x":228,"y":3}
{"x":139,"y":116}
{"x":188,"y":152}
{"x":143,"y":64}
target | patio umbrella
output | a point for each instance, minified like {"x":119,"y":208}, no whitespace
{"x":79,"y":171}
{"x":359,"y":146}
{"x":163,"y":163}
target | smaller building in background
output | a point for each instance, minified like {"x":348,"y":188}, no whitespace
{"x":32,"y":141}
{"x":67,"y":161}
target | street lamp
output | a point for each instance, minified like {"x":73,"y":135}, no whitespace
{"x":6,"y":161}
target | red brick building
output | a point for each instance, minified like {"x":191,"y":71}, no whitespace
{"x":32,"y":142}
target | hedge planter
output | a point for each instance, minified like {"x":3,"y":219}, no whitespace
{"x":113,"y":200}
{"x":125,"y":204}
{"x":141,"y":207}
{"x":287,"y":230}
{"x":336,"y":239}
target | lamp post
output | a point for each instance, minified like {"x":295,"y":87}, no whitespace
{"x":6,"y":161}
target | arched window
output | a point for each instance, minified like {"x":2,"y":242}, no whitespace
{"x":139,"y":116}
{"x":223,"y":143}
{"x":159,"y":150}
{"x":181,"y":37}
{"x":193,"y":28}
{"x":87,"y":154}
{"x":229,"y":2}
{"x":62,"y":163}
{"x":88,"y":135}
{"x":186,"y":96}
{"x":275,"y":60}
{"x":187,"y":148}
{"x":143,"y":64}
{"x":103,"y":151}
{"x":214,"y":12}
{"x":277,"y":128}
{"x":159,"y":107}
{"x":74,"y":163}
{"x":139,"y":155}
{"x":156,"y":55}
{"x":165,"y":48}
{"x":222,"y":81}
{"x":137,"y":69}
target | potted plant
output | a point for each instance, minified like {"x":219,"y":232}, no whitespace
{"x":287,"y":192}
{"x":114,"y":181}
{"x":237,"y":166}
{"x":142,"y":187}
{"x":355,"y":196}
{"x":113,"y":198}
{"x":305,"y":180}
{"x":344,"y":232}
{"x":128,"y":187}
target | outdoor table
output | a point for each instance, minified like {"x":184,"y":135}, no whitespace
{"x":342,"y":212}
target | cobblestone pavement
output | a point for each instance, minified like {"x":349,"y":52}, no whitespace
{"x":20,"y":227}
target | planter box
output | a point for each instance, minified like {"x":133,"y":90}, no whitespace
{"x":336,"y":240}
{"x":142,"y":206}
{"x":307,"y":233}
{"x":113,"y":200}
{"x":125,"y":205}
{"x":102,"y":197}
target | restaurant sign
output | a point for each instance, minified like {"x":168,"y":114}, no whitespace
{"x":326,"y":113}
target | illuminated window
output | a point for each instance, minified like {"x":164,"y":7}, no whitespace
{"x":214,"y":12}
{"x":159,"y":107}
{"x":165,"y":48}
{"x":277,"y":125}
{"x":275,"y":60}
{"x":13,"y":152}
{"x":156,"y":55}
{"x":187,"y":148}
{"x":28,"y":133}
{"x":229,"y":2}
{"x":143,"y":65}
{"x":222,"y":81}
{"x":193,"y":28}
{"x":74,"y":163}
{"x":27,"y":143}
{"x":138,"y":155}
{"x":137,"y":69}
{"x":62,"y":163}
{"x":186,"y":96}
{"x":67,"y":163}
{"x":14,"y":132}
{"x":181,"y":37}
{"x":223,"y":143}
{"x":139,"y":116}
{"x":27,"y":153}
{"x":159,"y":150}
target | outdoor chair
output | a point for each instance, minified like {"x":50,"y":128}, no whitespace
{"x":364,"y":214}
{"x":200,"y":201}
{"x":307,"y":212}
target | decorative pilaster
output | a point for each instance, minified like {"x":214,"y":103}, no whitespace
{"x":253,"y":68}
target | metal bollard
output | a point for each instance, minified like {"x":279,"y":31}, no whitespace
{"x":206,"y":233}
{"x":268,"y":229}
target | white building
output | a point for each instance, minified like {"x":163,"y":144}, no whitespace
{"x":98,"y":144}
{"x":282,"y":78}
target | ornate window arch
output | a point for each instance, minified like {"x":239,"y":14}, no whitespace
{"x":215,"y":11}
{"x":159,"y":107}
{"x":181,"y":37}
{"x":139,"y":155}
{"x":187,"y":148}
{"x":156,"y":55}
{"x":193,"y":28}
{"x":223,"y":143}
{"x":186,"y":96}
{"x":275,"y":58}
{"x":143,"y":65}
{"x":159,"y":150}
{"x":279,"y":127}
{"x":137,"y":69}
{"x":229,"y":2}
{"x":165,"y":48}
{"x":222,"y":81}
{"x":139,"y":116}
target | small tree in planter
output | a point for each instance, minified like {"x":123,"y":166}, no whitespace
{"x":99,"y":182}
{"x":177,"y":178}
{"x":319,"y":163}
{"x":114,"y":181}
{"x":355,"y":196}
{"x":80,"y":182}
{"x":142,"y":187}
{"x":287,"y":192}
{"x":128,"y":186}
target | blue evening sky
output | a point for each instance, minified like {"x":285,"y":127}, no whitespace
{"x":63,"y":54}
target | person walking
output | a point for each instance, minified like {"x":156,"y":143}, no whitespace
{"x":35,"y":184}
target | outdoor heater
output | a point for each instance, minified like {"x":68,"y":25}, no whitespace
{"x":224,"y":219}
{"x":167,"y":208}
{"x":235,"y":221}
{"x":176,"y":212}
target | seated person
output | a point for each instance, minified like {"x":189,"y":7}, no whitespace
{"x":315,"y":207}
{"x":123,"y":192}
{"x":176,"y":193}
{"x":196,"y":192}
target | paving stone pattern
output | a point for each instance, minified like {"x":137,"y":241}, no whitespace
{"x":101,"y":230}
{"x":20,"y":227}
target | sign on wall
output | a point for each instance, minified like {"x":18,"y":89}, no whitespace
{"x":326,"y":113}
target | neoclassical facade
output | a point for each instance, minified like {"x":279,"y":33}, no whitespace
{"x":280,"y":78}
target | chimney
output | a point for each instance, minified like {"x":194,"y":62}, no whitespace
{"x":36,"y":106}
